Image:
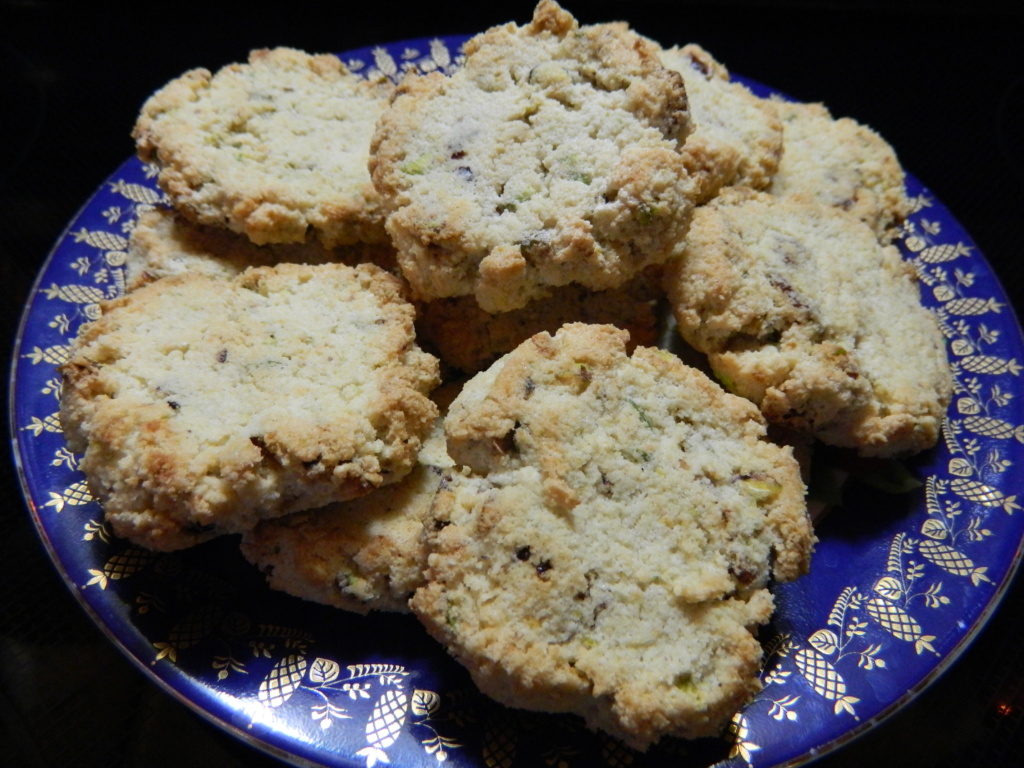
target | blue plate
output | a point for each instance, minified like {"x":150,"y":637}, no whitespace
{"x":899,"y":585}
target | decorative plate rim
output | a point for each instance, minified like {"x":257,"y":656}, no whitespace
{"x":809,"y":667}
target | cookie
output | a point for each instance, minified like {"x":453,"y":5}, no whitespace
{"x":607,"y":547}
{"x":551,"y":157}
{"x":737,"y":137}
{"x":165,"y":243}
{"x":275,"y":148}
{"x":469,"y":339}
{"x":361,"y":555}
{"x":803,"y":311}
{"x":840,"y":163}
{"x":201,"y":405}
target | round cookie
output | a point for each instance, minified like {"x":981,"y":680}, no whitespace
{"x":551,"y":157}
{"x":202,"y":405}
{"x":360,"y":555}
{"x":840,"y":163}
{"x":275,"y":148}
{"x":165,"y":243}
{"x":607,"y":547}
{"x":803,"y":311}
{"x":737,"y":138}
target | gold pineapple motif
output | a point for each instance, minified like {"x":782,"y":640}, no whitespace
{"x":283,"y":680}
{"x":972,"y":490}
{"x":384,"y":726}
{"x":989,"y":426}
{"x":990,"y":364}
{"x":972,"y":306}
{"x":75,"y":495}
{"x":194,"y":627}
{"x":75,"y":294}
{"x":387,"y":719}
{"x":939,"y":254}
{"x":824,"y":679}
{"x":952,"y":561}
{"x":56,"y":355}
{"x":137,"y":193}
{"x":107,"y":241}
{"x":499,"y":747}
{"x":898,"y":623}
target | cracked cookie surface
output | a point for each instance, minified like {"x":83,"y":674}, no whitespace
{"x":552,"y":156}
{"x":274,"y":148}
{"x":606,"y":549}
{"x":801,"y":310}
{"x":202,"y":405}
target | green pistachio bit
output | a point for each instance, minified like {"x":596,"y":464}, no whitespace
{"x":644,"y":213}
{"x":419,"y":166}
{"x":684,"y":682}
{"x":727,"y":383}
{"x":760,"y":488}
{"x":641,"y":413}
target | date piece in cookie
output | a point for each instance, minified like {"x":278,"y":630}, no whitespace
{"x":840,"y":163}
{"x":551,"y":157}
{"x":275,"y":148}
{"x":803,"y":311}
{"x":202,"y":405}
{"x":165,"y":243}
{"x":737,"y":137}
{"x":360,"y":555}
{"x":607,"y":547}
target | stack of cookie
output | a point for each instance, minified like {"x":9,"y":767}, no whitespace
{"x":587,"y":523}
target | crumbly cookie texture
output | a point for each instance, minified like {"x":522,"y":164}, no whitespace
{"x":840,"y":163}
{"x":551,"y":157}
{"x":469,"y":339}
{"x":606,"y":548}
{"x":275,"y":148}
{"x":202,"y":405}
{"x":737,"y":137}
{"x":360,"y":555}
{"x":165,"y":243}
{"x":802,"y":310}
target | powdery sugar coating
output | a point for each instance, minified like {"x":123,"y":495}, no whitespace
{"x":202,"y":405}
{"x":275,"y":148}
{"x":606,"y":551}
{"x":551,"y":157}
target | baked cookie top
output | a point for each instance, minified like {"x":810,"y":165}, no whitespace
{"x":606,"y":549}
{"x":551,"y":157}
{"x":737,"y":137}
{"x":804,"y":312}
{"x":275,"y":148}
{"x":165,"y":243}
{"x":359,"y":555}
{"x":202,"y":405}
{"x":840,"y":163}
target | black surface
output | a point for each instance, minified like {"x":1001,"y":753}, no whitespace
{"x":943,"y":83}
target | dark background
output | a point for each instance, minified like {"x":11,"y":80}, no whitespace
{"x":942,"y":82}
